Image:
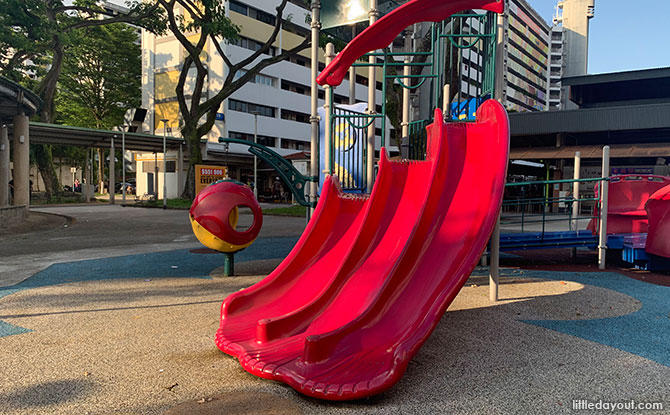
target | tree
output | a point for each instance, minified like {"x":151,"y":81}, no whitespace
{"x":101,"y":79}
{"x":36,"y":35}
{"x":199,"y":23}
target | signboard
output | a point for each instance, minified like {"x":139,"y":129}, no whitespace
{"x":206,"y":175}
{"x":220,"y":116}
{"x":343,"y":12}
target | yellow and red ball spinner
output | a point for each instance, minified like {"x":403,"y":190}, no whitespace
{"x":214,"y":215}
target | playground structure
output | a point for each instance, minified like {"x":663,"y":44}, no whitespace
{"x":627,"y":198}
{"x":327,"y":320}
{"x":214,"y":215}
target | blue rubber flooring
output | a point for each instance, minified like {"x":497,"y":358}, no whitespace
{"x":645,"y":332}
{"x":151,"y":265}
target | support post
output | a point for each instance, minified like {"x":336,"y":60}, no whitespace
{"x":314,"y":116}
{"x":180,"y":170}
{"x":112,"y":172}
{"x":574,"y":226}
{"x":494,"y":274}
{"x":89,"y":174}
{"x":445,"y":100}
{"x":328,"y":156}
{"x":405,"y":98}
{"x":123,"y":164}
{"x":372,"y":93}
{"x":604,"y":194}
{"x":21,"y":175}
{"x":165,"y":195}
{"x":229,"y":264}
{"x":352,"y":74}
{"x":156,"y":176}
{"x":4,"y":165}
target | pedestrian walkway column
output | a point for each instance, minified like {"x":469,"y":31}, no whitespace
{"x":21,"y":174}
{"x":4,"y":165}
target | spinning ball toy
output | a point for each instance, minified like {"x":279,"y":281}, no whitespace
{"x":214,"y":215}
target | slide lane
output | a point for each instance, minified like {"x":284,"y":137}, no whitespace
{"x":399,"y":196}
{"x":300,"y":277}
{"x":371,"y":353}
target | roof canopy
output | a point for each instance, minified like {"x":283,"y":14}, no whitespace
{"x":15,"y":99}
{"x":41,"y":133}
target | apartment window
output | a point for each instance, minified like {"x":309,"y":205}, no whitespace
{"x":295,"y":116}
{"x":288,"y":144}
{"x":258,"y":79}
{"x":150,"y":166}
{"x":265,"y":140}
{"x":295,"y":87}
{"x":249,"y":107}
{"x":299,"y":60}
{"x":245,"y":42}
{"x":259,"y":15}
{"x":295,"y":29}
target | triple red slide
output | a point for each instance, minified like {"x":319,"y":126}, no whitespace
{"x":370,"y":278}
{"x":341,"y":317}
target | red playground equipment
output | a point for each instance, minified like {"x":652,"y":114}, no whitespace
{"x":658,"y":212}
{"x":626,"y":203}
{"x":368,"y":281}
{"x":221,"y":200}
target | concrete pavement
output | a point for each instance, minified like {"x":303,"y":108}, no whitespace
{"x":116,"y":314}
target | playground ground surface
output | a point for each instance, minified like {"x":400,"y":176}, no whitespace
{"x":110,"y":310}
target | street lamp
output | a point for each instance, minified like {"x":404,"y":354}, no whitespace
{"x":164,"y":121}
{"x":255,"y":114}
{"x":123,"y":163}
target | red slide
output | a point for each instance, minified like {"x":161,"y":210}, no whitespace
{"x":369,"y":280}
{"x":658,"y":212}
{"x":341,"y":317}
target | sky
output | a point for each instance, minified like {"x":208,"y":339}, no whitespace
{"x":623,"y":35}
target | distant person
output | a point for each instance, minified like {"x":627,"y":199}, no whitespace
{"x":277,"y":189}
{"x":11,"y":191}
{"x":77,"y":186}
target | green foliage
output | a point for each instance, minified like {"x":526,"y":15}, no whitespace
{"x":101,"y":77}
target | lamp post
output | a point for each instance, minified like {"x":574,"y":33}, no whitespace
{"x":123,"y":163}
{"x":164,"y":121}
{"x":255,"y":114}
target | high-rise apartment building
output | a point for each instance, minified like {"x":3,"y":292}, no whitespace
{"x":523,"y":58}
{"x":279,"y":95}
{"x":570,"y":46}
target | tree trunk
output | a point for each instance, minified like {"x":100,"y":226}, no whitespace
{"x":192,"y":140}
{"x":47,"y":91}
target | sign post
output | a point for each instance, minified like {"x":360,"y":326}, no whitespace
{"x":206,"y":175}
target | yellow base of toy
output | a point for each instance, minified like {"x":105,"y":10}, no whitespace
{"x":213,"y":242}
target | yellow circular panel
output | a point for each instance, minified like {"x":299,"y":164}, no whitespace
{"x":210,"y":241}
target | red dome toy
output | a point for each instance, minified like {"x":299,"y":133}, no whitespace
{"x":214,"y":214}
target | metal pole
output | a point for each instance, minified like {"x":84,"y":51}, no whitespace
{"x":575,"y":195}
{"x":328,"y":165}
{"x":495,"y":262}
{"x":4,"y":166}
{"x":604,"y":193}
{"x":123,"y":164}
{"x":165,"y":121}
{"x":352,"y":74}
{"x":112,"y":172}
{"x":405,"y":99}
{"x":314,"y":116}
{"x":255,"y":158}
{"x":445,"y":100}
{"x":156,"y":175}
{"x":372,"y":91}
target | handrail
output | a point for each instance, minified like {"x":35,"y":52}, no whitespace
{"x":292,"y":177}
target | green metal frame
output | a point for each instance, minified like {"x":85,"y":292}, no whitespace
{"x":295,"y":180}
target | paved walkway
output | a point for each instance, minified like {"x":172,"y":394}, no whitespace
{"x":119,"y":317}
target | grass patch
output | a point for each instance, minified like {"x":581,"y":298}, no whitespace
{"x":178,"y":203}
{"x":295,"y":210}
